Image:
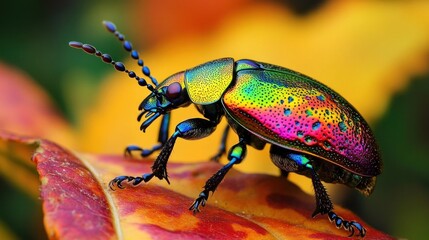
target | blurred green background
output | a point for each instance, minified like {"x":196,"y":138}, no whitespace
{"x":34,"y":37}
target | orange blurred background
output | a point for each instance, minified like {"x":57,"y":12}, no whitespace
{"x":374,"y":53}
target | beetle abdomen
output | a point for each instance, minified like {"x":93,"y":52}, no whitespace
{"x":296,"y":112}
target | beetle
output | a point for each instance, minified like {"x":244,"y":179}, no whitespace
{"x":310,"y":128}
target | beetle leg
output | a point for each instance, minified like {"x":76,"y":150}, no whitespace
{"x":289,"y":161}
{"x":222,"y":147}
{"x":284,"y":173}
{"x":162,"y":139}
{"x":159,"y":168}
{"x":195,"y":128}
{"x":236,"y":155}
{"x":324,"y":205}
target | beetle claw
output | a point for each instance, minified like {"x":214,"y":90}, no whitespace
{"x":131,"y":148}
{"x":359,"y":227}
{"x":143,"y":152}
{"x":200,"y":201}
{"x":117,"y":182}
{"x":352,"y":232}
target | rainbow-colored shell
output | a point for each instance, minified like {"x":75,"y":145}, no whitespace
{"x":294,"y":111}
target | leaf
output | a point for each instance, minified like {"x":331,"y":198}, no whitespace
{"x":26,"y":109}
{"x":78,"y":203}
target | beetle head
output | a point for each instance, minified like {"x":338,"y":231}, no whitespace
{"x":164,"y":97}
{"x":168,"y":95}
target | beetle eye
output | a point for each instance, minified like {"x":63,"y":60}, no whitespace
{"x":173,"y":90}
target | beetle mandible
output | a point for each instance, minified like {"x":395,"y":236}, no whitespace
{"x":312,"y":130}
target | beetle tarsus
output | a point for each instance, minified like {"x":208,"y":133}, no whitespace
{"x":200,"y":201}
{"x":143,"y":152}
{"x":347,"y":225}
{"x":130,"y":149}
{"x":162,"y":139}
{"x":117,"y":181}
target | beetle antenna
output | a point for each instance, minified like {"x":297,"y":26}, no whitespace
{"x":119,"y":66}
{"x":111,"y":27}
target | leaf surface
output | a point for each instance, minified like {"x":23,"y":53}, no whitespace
{"x":78,"y":203}
{"x":26,"y":109}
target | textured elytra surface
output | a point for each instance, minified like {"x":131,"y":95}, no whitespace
{"x":296,"y":112}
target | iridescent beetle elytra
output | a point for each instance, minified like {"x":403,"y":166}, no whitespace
{"x":312,"y":130}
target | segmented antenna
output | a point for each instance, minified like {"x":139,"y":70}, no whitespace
{"x":129,"y":48}
{"x":119,"y":66}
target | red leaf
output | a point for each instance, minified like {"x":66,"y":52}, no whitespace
{"x":25,"y":108}
{"x":78,"y":203}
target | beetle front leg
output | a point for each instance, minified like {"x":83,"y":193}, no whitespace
{"x":236,"y":155}
{"x":195,"y":128}
{"x":162,"y":139}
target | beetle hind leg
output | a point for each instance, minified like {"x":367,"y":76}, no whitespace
{"x":290,"y":161}
{"x":324,"y":206}
{"x":323,"y":203}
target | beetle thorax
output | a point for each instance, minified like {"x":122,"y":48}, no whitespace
{"x":207,"y":82}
